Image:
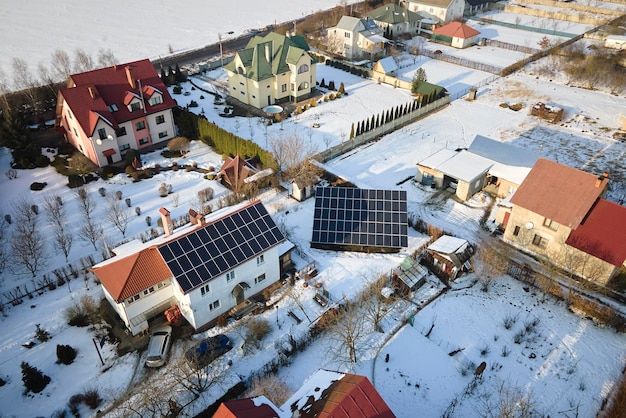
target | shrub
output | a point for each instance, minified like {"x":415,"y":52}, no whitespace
{"x":118,"y":195}
{"x":65,"y":354}
{"x":193,"y":103}
{"x":177,"y":89}
{"x":34,"y":380}
{"x":138,"y":211}
{"x":83,"y":313}
{"x":102,"y":191}
{"x":257,"y":330}
{"x":89,"y":397}
{"x":163,"y":190}
{"x":509,"y":321}
{"x":74,"y":180}
{"x":505,"y":351}
{"x":41,"y":334}
{"x":129,"y":171}
{"x":332,"y":96}
{"x":484,"y":350}
{"x":7,"y":218}
{"x":222,"y":320}
{"x":35,"y":209}
{"x":205,"y":194}
{"x":127,"y":201}
{"x":36,"y":186}
{"x":148,"y":221}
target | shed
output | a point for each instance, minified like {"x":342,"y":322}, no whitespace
{"x":457,"y":34}
{"x":386,"y":66}
{"x":450,"y":255}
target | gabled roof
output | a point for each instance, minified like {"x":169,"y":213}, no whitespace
{"x":436,"y":3}
{"x":561,"y":193}
{"x":92,"y":92}
{"x":447,"y":244}
{"x":269,"y":55}
{"x":257,"y":407}
{"x":392,"y":14}
{"x":329,"y":394}
{"x":387,"y":65}
{"x":236,"y":170}
{"x":229,"y":237}
{"x":602,"y":233}
{"x":456,"y":30}
{"x":132,"y":274}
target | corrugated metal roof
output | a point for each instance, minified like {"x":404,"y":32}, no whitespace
{"x":561,"y":193}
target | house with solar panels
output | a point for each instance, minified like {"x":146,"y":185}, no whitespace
{"x":204,"y":268}
{"x":352,"y":219}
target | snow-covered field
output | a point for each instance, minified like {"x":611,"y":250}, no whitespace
{"x":576,"y":363}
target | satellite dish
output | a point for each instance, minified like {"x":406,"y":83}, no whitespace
{"x":529,"y":225}
{"x":110,"y":137}
{"x":99,"y":141}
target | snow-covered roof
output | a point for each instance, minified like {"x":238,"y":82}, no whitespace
{"x":438,"y":158}
{"x":448,"y":244}
{"x":502,"y":152}
{"x":387,"y":65}
{"x":465,"y":166}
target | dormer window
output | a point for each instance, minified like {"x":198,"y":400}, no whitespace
{"x":102,"y":133}
{"x":112,"y":108}
{"x":303,"y":69}
{"x":156,"y":99}
{"x":135,"y":106}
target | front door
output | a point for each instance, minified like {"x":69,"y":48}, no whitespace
{"x":269,"y":100}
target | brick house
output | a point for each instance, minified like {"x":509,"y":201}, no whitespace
{"x":105,"y":112}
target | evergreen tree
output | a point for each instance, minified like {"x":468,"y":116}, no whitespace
{"x":418,"y":78}
{"x":171,"y":77}
{"x":358,"y":128}
{"x":378,"y":121}
{"x":164,"y":77}
{"x":180,"y":76}
{"x":14,"y":134}
{"x":367,"y":126}
{"x":373,"y":122}
{"x":34,"y":380}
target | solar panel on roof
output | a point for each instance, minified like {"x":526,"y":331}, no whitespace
{"x":216,"y":248}
{"x":359,"y":217}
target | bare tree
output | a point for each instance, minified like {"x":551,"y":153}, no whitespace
{"x":106,"y":58}
{"x":507,"y":401}
{"x":24,"y":80}
{"x":180,"y":144}
{"x":46,"y":77}
{"x":28,"y":246}
{"x":61,"y":65}
{"x":270,"y":386}
{"x":82,"y":61}
{"x":346,"y":335}
{"x":57,"y":216}
{"x":118,"y":213}
{"x":90,"y":229}
{"x":294,"y":294}
{"x":373,"y":304}
{"x":292,"y":153}
{"x":489,"y":263}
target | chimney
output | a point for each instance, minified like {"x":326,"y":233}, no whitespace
{"x":200,"y":219}
{"x":193,"y":217}
{"x":129,"y":77}
{"x":166,"y":220}
{"x":92,"y":92}
{"x":600,"y":179}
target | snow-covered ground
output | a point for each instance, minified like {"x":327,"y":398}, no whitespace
{"x":576,"y":363}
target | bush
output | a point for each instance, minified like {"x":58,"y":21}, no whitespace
{"x":205,"y":195}
{"x":34,"y":380}
{"x":257,"y":330}
{"x":41,"y":334}
{"x":118,"y":195}
{"x":7,"y":218}
{"x":89,"y":397}
{"x":148,"y":221}
{"x":74,"y":180}
{"x":109,"y":171}
{"x":36,"y":186}
{"x":193,"y":103}
{"x":102,"y":191}
{"x":35,"y":209}
{"x":177,"y":89}
{"x":65,"y":354}
{"x":138,"y":211}
{"x":83,"y":313}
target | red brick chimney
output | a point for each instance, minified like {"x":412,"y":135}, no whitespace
{"x":129,"y":77}
{"x":166,"y":220}
{"x":193,"y":217}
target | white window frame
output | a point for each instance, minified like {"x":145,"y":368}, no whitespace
{"x":260,"y":259}
{"x":205,"y":290}
{"x":230,"y":276}
{"x":214,"y":305}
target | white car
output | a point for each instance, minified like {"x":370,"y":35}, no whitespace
{"x":159,"y":346}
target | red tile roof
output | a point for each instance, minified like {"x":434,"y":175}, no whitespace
{"x":456,"y":30}
{"x":561,"y":193}
{"x":90,"y":93}
{"x":351,"y":396}
{"x":130,"y":275}
{"x":602,"y":233}
{"x":247,"y":408}
{"x":235,"y":171}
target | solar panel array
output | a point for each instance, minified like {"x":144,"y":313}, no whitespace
{"x":220,"y":246}
{"x":359,"y":217}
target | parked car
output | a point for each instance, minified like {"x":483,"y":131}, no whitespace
{"x":207,"y":350}
{"x":159,"y":346}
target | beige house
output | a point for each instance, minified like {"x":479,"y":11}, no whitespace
{"x":457,"y":34}
{"x":558,"y":213}
{"x":105,"y":112}
{"x":395,"y":20}
{"x":272,"y":69}
{"x":443,"y":11}
{"x":487,"y":163}
{"x":356,"y":38}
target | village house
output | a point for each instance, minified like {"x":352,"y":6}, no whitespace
{"x":395,"y":20}
{"x":325,"y":394}
{"x":474,"y":6}
{"x":487,"y":164}
{"x":204,"y":268}
{"x":456,"y":34}
{"x":558,"y":212}
{"x":272,"y":69}
{"x":443,"y":11}
{"x":356,"y":38}
{"x":105,"y":112}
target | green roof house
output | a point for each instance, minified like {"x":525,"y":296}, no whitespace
{"x":271,"y":69}
{"x":396,"y":20}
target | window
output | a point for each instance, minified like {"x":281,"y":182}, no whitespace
{"x":75,"y":132}
{"x":124,"y":147}
{"x":230,"y":275}
{"x":550,"y":224}
{"x":121,"y":131}
{"x":143,"y":141}
{"x":259,"y":279}
{"x":135,"y":106}
{"x":260,"y":260}
{"x":162,"y":134}
{"x":214,"y":305}
{"x":303,"y":69}
{"x":540,"y":241}
{"x":148,"y":291}
{"x":156,"y":100}
{"x":346,"y":34}
{"x":160,"y":119}
{"x":516,"y":230}
{"x":133,"y":298}
{"x":141,"y":125}
{"x":205,"y":290}
{"x":283,"y":88}
{"x":112,"y":108}
{"x":102,"y":133}
{"x":69,"y":114}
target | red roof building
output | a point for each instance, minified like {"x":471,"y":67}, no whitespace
{"x":259,"y":407}
{"x":107,"y":111}
{"x":458,"y":34}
